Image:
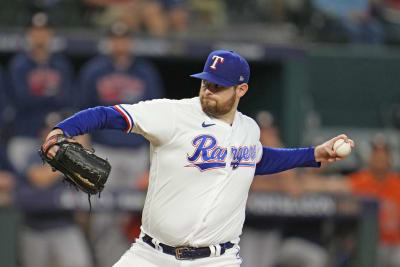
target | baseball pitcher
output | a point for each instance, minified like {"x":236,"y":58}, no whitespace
{"x":204,"y":155}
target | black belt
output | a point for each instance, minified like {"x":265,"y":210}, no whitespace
{"x":187,"y":253}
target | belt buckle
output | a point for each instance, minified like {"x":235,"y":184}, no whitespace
{"x":179,"y":251}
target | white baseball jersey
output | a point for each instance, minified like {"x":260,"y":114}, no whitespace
{"x":201,"y":171}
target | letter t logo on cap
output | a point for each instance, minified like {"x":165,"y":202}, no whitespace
{"x":216,"y":59}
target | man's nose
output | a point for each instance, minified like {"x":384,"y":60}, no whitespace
{"x":208,"y":91}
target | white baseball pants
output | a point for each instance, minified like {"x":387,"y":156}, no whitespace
{"x":142,"y":255}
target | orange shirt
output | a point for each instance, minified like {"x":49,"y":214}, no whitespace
{"x":388,"y":193}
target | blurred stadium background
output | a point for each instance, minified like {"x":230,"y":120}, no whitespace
{"x":318,"y":68}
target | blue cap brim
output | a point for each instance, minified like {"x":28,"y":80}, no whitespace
{"x":212,"y":78}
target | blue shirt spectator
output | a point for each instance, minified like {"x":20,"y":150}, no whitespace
{"x":50,"y":234}
{"x":118,"y":78}
{"x":39,"y":200}
{"x":39,"y":82}
{"x":38,"y":88}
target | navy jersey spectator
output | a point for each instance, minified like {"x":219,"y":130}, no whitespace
{"x":39,"y":83}
{"x":50,"y":234}
{"x":118,"y":77}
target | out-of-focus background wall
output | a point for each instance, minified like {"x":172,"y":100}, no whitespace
{"x":318,"y":68}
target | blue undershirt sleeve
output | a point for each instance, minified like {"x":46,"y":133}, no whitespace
{"x":281,"y":159}
{"x":92,"y":119}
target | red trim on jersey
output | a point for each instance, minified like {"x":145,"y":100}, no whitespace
{"x":125,"y":117}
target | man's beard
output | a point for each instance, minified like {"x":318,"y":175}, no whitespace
{"x":214,"y":109}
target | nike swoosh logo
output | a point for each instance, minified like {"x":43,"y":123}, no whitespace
{"x":207,"y":125}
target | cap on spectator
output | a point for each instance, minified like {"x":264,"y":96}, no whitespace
{"x":40,"y":20}
{"x":265,"y":119}
{"x":225,"y":68}
{"x":119,"y":29}
{"x":380,"y":141}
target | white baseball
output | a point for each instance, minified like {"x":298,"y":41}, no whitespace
{"x":342,"y":148}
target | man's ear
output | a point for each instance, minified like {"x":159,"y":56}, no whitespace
{"x":242,"y":89}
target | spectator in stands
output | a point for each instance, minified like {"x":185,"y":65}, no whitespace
{"x":270,"y":136}
{"x":50,"y":235}
{"x":380,"y":181}
{"x":39,"y":82}
{"x":377,"y":180}
{"x":119,"y":77}
{"x":354,"y":18}
{"x":320,"y":180}
{"x":155,"y":17}
{"x":261,"y":240}
{"x":272,"y":242}
{"x":211,"y":14}
{"x":177,"y":14}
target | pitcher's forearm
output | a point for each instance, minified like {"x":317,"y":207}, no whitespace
{"x":92,"y":119}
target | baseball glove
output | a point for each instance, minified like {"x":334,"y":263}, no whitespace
{"x":80,"y":166}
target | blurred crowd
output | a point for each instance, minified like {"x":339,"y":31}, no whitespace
{"x":304,"y":242}
{"x":39,"y":88}
{"x":355,"y":21}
